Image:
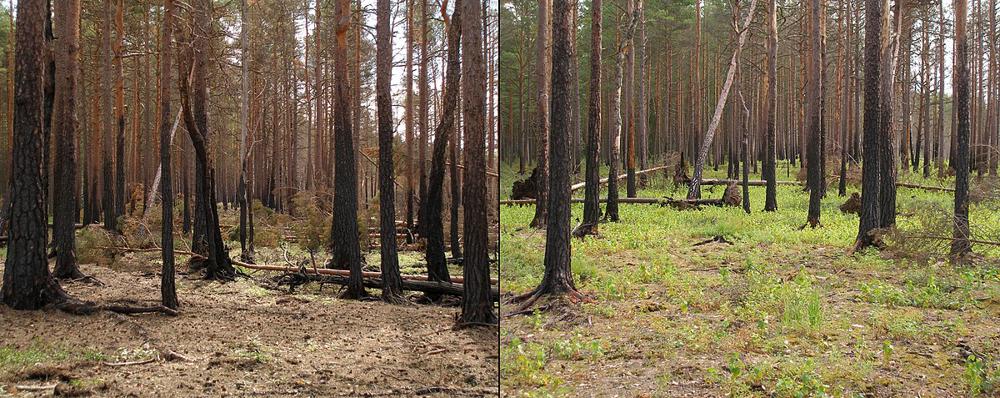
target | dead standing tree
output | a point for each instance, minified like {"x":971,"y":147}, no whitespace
{"x":694,"y":187}
{"x":611,"y":212}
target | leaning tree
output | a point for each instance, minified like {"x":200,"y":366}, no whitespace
{"x":193,"y":62}
{"x":437,"y":266}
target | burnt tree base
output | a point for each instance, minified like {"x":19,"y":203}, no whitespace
{"x":293,"y":280}
{"x":554,"y":292}
{"x":585,"y":229}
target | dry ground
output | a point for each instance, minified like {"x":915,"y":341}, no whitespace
{"x":241,"y":339}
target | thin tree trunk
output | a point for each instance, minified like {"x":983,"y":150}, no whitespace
{"x":392,"y":286}
{"x":542,"y":65}
{"x":168,"y":292}
{"x":770,"y":164}
{"x":591,"y":207}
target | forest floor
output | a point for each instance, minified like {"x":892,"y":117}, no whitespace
{"x":243,"y":338}
{"x":769,"y":310}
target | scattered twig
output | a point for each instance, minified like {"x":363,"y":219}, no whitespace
{"x":130,"y":363}
{"x":36,"y":388}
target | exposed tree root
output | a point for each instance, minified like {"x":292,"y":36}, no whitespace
{"x":549,"y":297}
{"x":714,"y":239}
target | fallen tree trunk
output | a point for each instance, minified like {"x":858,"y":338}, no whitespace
{"x":925,"y":187}
{"x":451,"y":289}
{"x":638,"y":201}
{"x":342,"y":272}
{"x":578,"y":186}
{"x":752,"y":183}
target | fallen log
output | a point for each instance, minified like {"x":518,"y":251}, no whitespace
{"x":578,"y":186}
{"x":451,"y":289}
{"x":924,"y":187}
{"x":752,"y":183}
{"x":342,"y":272}
{"x":147,"y":250}
{"x":638,"y":201}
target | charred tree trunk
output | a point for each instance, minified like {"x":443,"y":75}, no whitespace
{"x":344,"y":232}
{"x":769,"y":172}
{"x":107,"y":195}
{"x":592,"y":192}
{"x":960,"y":245}
{"x":558,"y":278}
{"x":870,"y":166}
{"x":207,"y":237}
{"x":814,"y":114}
{"x":542,"y":65}
{"x":65,"y":128}
{"x":392,"y":286}
{"x":437,"y":266}
{"x":477,"y":305}
{"x":168,"y":292}
{"x":246,"y":211}
{"x":27,"y":284}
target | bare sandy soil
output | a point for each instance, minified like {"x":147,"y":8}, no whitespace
{"x":241,"y":339}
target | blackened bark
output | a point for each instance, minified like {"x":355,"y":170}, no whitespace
{"x":27,"y":284}
{"x":65,"y":126}
{"x":961,"y":246}
{"x":814,"y":115}
{"x":558,"y":278}
{"x":477,"y":305}
{"x":592,"y":192}
{"x":455,"y":181}
{"x":207,"y":238}
{"x":392,"y":286}
{"x":107,"y":195}
{"x":437,"y":267}
{"x":344,"y":232}
{"x":168,"y":292}
{"x":769,"y":171}
{"x":887,"y":159}
{"x":246,"y":211}
{"x":543,"y":86}
{"x":870,"y":168}
{"x":119,"y":110}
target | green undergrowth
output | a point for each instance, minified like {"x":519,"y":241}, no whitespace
{"x":15,"y":359}
{"x":774,"y":310}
